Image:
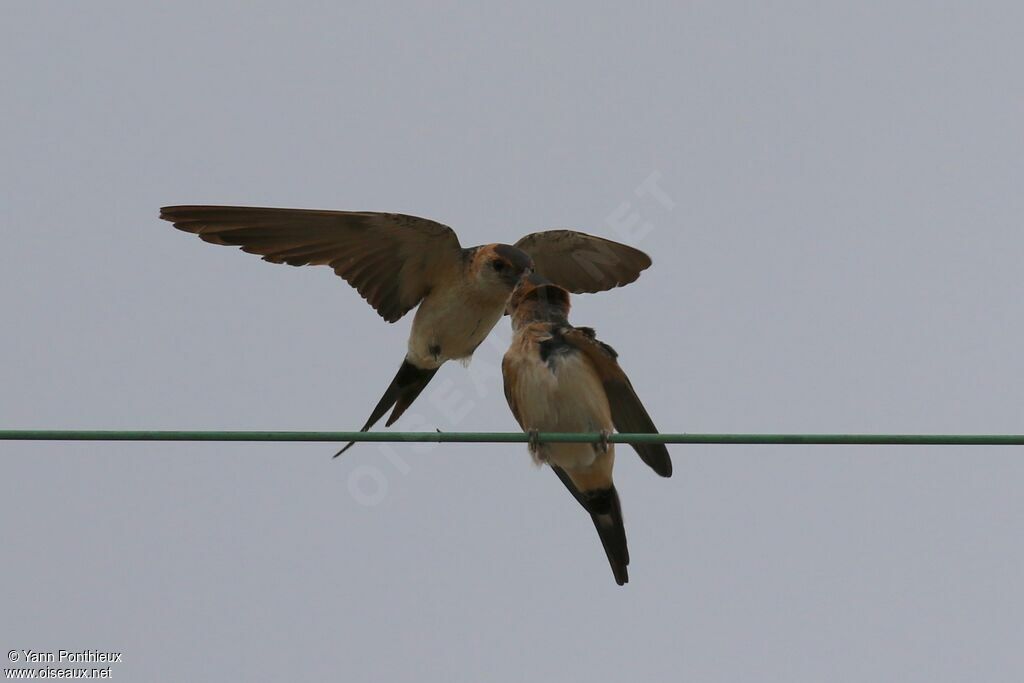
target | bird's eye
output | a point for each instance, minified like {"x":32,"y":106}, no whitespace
{"x":498,"y":265}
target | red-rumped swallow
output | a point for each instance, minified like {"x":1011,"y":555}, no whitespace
{"x":397,"y":262}
{"x":560,"y":378}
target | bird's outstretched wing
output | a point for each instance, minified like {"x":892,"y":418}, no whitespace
{"x":391,"y":259}
{"x":628,"y":413}
{"x":582,"y":263}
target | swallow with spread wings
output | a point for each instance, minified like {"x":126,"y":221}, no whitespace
{"x":397,"y":262}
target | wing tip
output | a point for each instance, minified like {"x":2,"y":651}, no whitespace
{"x":168,"y":213}
{"x":656,"y":457}
{"x":178,"y":211}
{"x":185,"y":219}
{"x":664,"y":469}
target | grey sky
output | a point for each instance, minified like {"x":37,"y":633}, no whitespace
{"x":843,"y":253}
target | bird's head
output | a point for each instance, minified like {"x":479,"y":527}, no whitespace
{"x":500,"y":267}
{"x":537,"y":299}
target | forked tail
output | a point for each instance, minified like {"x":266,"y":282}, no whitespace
{"x":405,"y":387}
{"x":606,"y":512}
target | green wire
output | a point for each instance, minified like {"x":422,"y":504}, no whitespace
{"x":517,"y":437}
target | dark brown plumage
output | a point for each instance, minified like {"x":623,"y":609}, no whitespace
{"x":391,"y":259}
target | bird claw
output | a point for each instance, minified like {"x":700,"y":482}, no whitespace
{"x":534,"y":441}
{"x":604,"y":444}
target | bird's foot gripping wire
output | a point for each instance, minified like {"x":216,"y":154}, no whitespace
{"x":604,"y":443}
{"x":534,"y":442}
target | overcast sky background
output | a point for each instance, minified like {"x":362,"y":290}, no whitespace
{"x":840,"y":252}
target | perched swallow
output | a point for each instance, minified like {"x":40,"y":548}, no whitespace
{"x":397,"y":262}
{"x":560,"y":378}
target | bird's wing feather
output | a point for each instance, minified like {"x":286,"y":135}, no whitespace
{"x":391,"y":259}
{"x":628,"y":413}
{"x":582,"y":263}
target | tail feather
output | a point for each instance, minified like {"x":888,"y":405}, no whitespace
{"x":403,"y":390}
{"x":612,"y":532}
{"x":606,"y":513}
